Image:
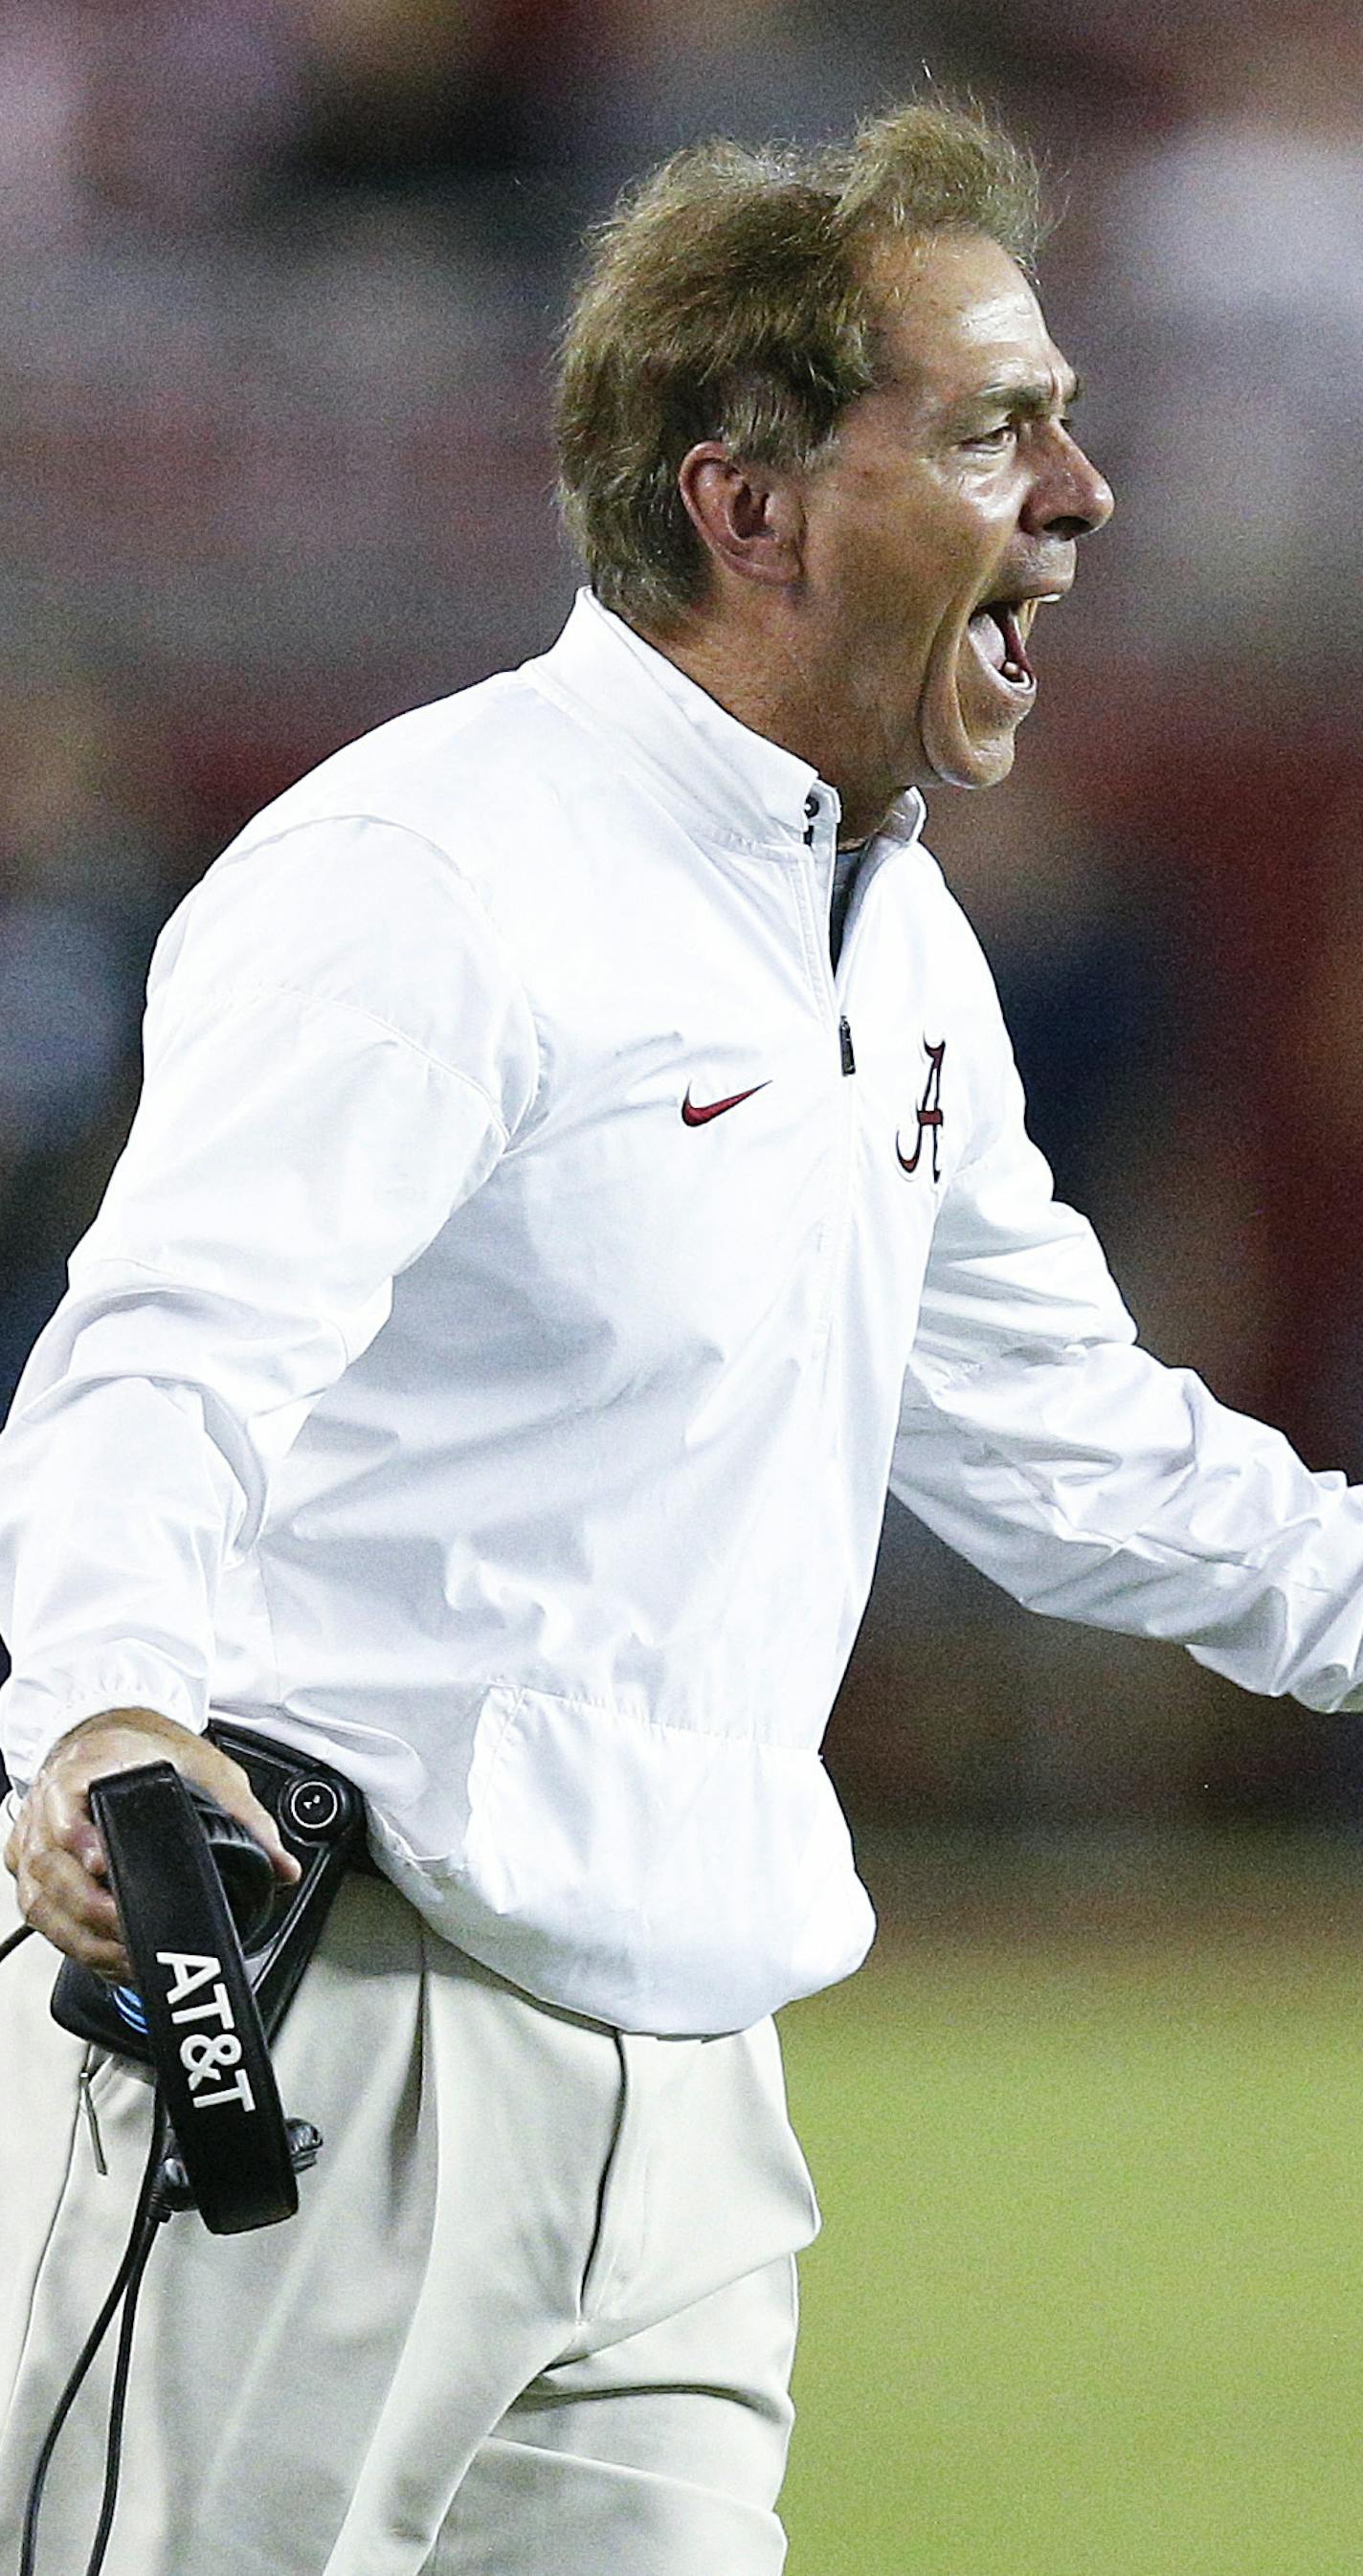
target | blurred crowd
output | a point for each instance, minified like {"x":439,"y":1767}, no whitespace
{"x":279,"y":281}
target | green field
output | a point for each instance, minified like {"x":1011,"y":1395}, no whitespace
{"x":1089,"y":2296}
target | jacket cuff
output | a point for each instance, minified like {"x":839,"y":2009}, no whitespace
{"x":36,"y":1711}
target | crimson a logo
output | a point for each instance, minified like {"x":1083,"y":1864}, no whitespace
{"x":929,"y":1113}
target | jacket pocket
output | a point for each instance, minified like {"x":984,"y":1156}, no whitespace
{"x":654,"y":1876}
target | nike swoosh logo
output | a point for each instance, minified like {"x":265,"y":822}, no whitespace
{"x":696,"y":1114}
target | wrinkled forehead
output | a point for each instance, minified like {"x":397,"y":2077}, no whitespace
{"x":957,"y":312}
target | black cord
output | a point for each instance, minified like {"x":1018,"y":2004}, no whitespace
{"x":146,"y":2219}
{"x":109,"y":2500}
{"x":24,"y":1933}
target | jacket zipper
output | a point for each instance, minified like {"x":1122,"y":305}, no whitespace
{"x":821,"y":968}
{"x":846,"y":1052}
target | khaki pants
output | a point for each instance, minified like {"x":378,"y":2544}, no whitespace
{"x":535,"y":2316}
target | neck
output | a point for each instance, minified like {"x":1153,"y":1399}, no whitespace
{"x":779,"y":690}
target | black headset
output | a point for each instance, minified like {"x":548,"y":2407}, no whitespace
{"x":217,"y":1949}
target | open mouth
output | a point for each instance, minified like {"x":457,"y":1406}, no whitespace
{"x":999,"y":632}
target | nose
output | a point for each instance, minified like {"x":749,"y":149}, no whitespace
{"x":1070,"y":498}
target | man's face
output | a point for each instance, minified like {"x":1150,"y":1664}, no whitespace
{"x":951,"y":505}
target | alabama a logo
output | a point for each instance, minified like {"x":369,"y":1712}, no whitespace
{"x":929,"y":1114}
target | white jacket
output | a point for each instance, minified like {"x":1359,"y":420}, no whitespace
{"x":491,"y":1356}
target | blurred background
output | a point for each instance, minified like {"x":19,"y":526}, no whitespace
{"x":279,"y":281}
{"x":278,"y":286}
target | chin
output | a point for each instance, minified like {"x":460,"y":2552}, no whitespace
{"x":958,"y":756}
{"x":969,"y":766}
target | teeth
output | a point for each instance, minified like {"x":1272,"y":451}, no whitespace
{"x":1026,"y":609}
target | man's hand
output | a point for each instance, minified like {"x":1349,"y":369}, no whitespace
{"x":55,"y":1853}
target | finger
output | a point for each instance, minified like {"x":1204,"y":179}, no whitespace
{"x":56,"y":1878}
{"x":247,"y":1809}
{"x":89,"y":1950}
{"x":94,"y":1944}
{"x":288,"y":1868}
{"x":67,"y":1822}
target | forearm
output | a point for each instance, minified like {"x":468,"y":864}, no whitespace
{"x":116,"y":1511}
{"x":1095,"y":1485}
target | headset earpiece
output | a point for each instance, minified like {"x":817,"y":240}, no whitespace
{"x":243,"y":1865}
{"x":208,"y":2046}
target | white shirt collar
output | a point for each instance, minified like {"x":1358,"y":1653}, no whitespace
{"x":750,"y":792}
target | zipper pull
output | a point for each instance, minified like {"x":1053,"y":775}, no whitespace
{"x":849,"y":1062}
{"x":87,"y":2104}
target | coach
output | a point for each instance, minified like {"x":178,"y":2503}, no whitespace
{"x":580,"y":1167}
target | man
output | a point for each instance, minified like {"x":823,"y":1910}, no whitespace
{"x":580,"y":1166}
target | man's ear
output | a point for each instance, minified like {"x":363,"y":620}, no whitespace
{"x":749,"y":517}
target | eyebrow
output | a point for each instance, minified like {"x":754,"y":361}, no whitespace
{"x":1031,"y":401}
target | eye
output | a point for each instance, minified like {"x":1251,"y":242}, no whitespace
{"x":995,"y":440}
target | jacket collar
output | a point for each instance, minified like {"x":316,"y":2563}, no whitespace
{"x":744,"y":791}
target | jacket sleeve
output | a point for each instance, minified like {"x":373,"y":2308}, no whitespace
{"x":336,"y":1053}
{"x":1082,"y":1476}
